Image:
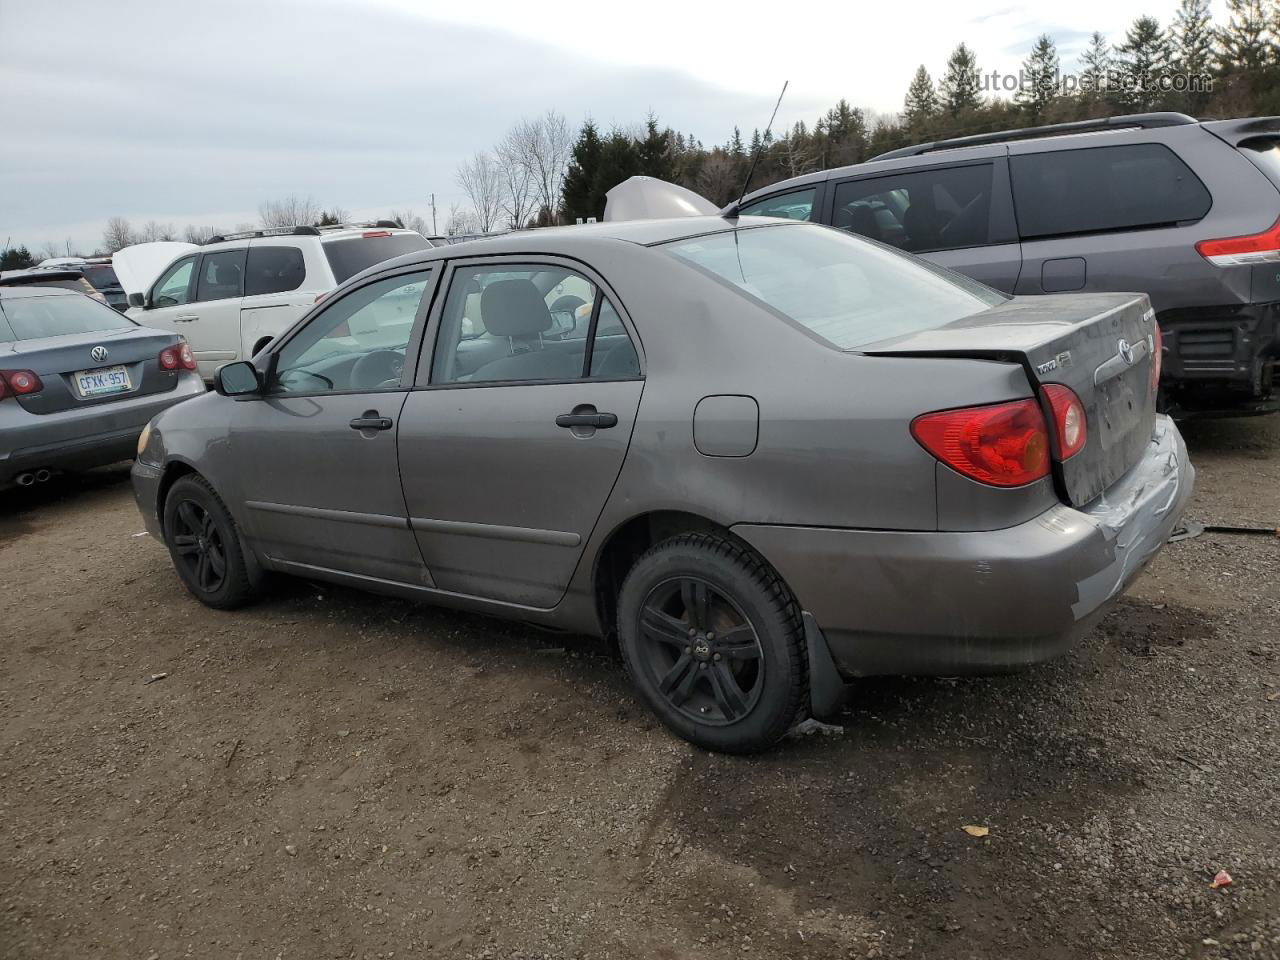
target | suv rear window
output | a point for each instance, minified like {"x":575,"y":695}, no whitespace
{"x":30,"y":318}
{"x":101,"y":275}
{"x":1104,"y":188}
{"x":349,"y":256}
{"x":848,"y":291}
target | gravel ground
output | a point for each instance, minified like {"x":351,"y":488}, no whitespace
{"x":330,"y":774}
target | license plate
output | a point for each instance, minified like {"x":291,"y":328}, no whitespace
{"x":94,"y":383}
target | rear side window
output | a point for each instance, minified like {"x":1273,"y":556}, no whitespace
{"x":30,"y":318}
{"x":221,"y":275}
{"x":930,"y":210}
{"x":797,"y":205}
{"x":274,"y":270}
{"x":349,"y":256}
{"x":843,"y":289}
{"x":1104,"y":188}
{"x":1263,"y":153}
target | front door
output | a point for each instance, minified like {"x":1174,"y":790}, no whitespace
{"x":168,"y":305}
{"x":512,"y":443}
{"x":316,"y":452}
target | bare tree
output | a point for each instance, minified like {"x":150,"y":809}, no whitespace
{"x":460,"y":222}
{"x":409,"y":220}
{"x":718,"y":177}
{"x":196,"y":234}
{"x":118,"y":234}
{"x":290,"y":211}
{"x":152,"y":231}
{"x":543,"y":147}
{"x":48,"y":251}
{"x":482,"y":181}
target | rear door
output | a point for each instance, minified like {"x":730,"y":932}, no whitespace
{"x":958,"y":215}
{"x":214,"y":325}
{"x":281,"y":283}
{"x":507,"y":455}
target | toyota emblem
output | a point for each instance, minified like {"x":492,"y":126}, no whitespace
{"x":1126,"y":352}
{"x":99,"y":354}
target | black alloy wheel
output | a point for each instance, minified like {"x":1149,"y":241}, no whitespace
{"x":198,"y":544}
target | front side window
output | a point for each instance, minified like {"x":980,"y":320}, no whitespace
{"x":30,"y":318}
{"x":846,"y":291}
{"x":1064,"y":192}
{"x":929,"y":210}
{"x":221,"y":275}
{"x":797,"y":205}
{"x":273,"y":270}
{"x":173,"y":289}
{"x":357,"y":343}
{"x":519,"y":323}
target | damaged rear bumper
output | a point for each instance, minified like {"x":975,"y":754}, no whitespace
{"x":895,"y":602}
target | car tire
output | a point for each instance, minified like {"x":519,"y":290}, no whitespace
{"x":714,"y":643}
{"x":205,"y":546}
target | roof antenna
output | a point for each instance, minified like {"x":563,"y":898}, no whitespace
{"x":760,"y":149}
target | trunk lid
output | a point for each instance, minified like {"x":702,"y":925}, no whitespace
{"x":1099,"y":345}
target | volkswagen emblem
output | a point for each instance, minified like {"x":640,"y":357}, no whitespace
{"x":1126,"y":352}
{"x":99,"y":354}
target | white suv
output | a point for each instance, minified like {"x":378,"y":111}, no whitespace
{"x":233,"y":294}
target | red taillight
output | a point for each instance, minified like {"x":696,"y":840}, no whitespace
{"x":1068,"y":419}
{"x":19,"y":382}
{"x":177,"y":357}
{"x":1232,"y":251}
{"x":1004,"y":444}
{"x":1157,"y":357}
{"x":372,"y":234}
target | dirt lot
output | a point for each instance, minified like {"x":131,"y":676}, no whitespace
{"x":335,"y":775}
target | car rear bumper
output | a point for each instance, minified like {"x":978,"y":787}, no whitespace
{"x":894,"y":602}
{"x":78,"y":439}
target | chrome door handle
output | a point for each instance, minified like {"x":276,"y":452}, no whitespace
{"x":185,"y":318}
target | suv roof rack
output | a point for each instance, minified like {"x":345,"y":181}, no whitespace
{"x":1140,"y":121}
{"x":363,"y":225}
{"x":265,"y":232}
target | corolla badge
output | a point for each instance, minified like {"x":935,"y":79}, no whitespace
{"x":98,"y":353}
{"x":1126,"y":352}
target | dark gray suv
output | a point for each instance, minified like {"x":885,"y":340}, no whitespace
{"x":1185,"y":211}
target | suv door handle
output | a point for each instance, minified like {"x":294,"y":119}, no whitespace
{"x":600,"y":420}
{"x":371,"y":421}
{"x":185,"y":318}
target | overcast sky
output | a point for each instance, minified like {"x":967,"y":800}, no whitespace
{"x":196,"y":112}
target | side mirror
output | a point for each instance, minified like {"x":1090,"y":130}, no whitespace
{"x":137,"y":300}
{"x":238,"y":379}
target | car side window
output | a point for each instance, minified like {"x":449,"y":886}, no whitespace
{"x":173,"y":289}
{"x":796,"y":205}
{"x":941,"y":209}
{"x":221,"y":275}
{"x":357,"y":343}
{"x":505,"y":323}
{"x":273,"y":270}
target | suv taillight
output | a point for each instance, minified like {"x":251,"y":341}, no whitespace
{"x":1068,"y":419}
{"x":1234,"y":251}
{"x":19,"y":383}
{"x":1002,"y":444}
{"x":177,"y":357}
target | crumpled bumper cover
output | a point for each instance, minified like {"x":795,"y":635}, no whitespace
{"x":897,"y":602}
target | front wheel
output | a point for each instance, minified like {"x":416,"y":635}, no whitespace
{"x":205,"y":546}
{"x":713,"y":640}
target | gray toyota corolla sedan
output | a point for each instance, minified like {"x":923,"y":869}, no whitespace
{"x":79,"y":381}
{"x":769,"y":457}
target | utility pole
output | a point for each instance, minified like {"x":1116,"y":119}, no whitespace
{"x":434,"y":231}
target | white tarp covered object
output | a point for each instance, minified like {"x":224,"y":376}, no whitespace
{"x":646,"y":198}
{"x":138,"y":266}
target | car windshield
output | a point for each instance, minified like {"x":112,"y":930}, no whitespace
{"x":847,"y":290}
{"x":30,"y":318}
{"x":349,"y":256}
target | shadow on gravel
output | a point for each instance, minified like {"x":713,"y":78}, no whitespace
{"x":1256,"y":438}
{"x":17,"y":503}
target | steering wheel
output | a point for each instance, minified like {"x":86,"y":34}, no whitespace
{"x":378,"y":368}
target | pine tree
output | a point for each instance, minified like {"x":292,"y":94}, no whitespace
{"x":1192,"y":53}
{"x":1143,"y":60}
{"x":1095,"y":66}
{"x":921,"y":102}
{"x":619,"y":160}
{"x":1039,"y":84}
{"x":656,"y":151}
{"x":579,"y":189}
{"x":16,"y":258}
{"x":735,"y":149}
{"x":959,"y":88}
{"x":1243,"y":44}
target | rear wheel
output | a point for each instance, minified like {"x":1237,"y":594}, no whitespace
{"x":713,"y":641}
{"x":205,"y":545}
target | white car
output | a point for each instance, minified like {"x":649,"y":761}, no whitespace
{"x":231,"y":296}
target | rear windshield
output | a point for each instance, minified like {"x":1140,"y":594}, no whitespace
{"x":847,"y":290}
{"x":348,"y":257}
{"x":30,"y":318}
{"x":1264,"y":152}
{"x":101,"y":276}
